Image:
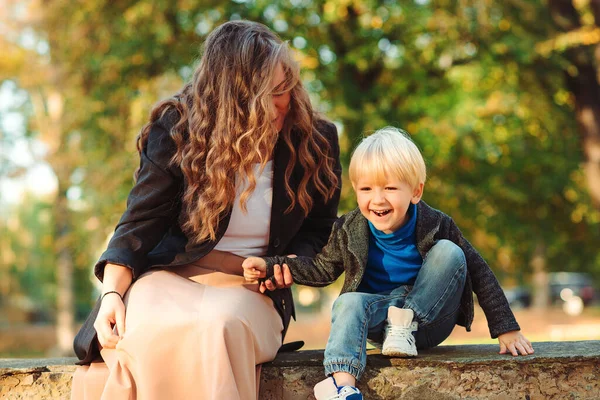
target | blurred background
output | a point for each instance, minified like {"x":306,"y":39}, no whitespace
{"x":502,"y":97}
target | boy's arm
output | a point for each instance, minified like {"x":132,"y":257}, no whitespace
{"x":485,"y":285}
{"x":321,"y":270}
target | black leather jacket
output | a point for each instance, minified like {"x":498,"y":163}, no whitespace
{"x":149,"y":233}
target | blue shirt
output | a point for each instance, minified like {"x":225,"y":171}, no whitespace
{"x":393,"y":258}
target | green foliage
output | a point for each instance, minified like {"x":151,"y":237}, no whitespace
{"x":480,"y":85}
{"x":28,"y":265}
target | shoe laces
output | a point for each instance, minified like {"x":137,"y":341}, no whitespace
{"x":401,"y":332}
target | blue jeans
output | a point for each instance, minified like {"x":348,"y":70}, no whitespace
{"x":434,"y":298}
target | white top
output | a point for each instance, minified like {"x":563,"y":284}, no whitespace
{"x":248,"y":233}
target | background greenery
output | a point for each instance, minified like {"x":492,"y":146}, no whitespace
{"x":502,"y":98}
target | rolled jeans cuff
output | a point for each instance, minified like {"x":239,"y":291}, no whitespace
{"x":351,"y":367}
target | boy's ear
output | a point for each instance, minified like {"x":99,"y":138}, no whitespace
{"x":417,"y":193}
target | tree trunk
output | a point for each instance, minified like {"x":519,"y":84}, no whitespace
{"x":50,"y":119}
{"x":541,"y":291}
{"x":64,"y":274}
{"x":586,"y":89}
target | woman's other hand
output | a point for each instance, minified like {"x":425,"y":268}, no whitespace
{"x":111,"y":313}
{"x":282,"y":278}
{"x":514,"y":343}
{"x":112,"y":310}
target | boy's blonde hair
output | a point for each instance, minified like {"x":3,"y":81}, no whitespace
{"x":389,"y":152}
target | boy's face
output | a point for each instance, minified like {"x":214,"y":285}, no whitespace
{"x":386,"y":203}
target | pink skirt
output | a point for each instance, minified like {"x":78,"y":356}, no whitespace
{"x":191,"y":332}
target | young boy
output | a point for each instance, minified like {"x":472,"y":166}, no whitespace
{"x":410,"y":273}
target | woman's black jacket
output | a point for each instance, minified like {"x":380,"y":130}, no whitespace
{"x":149,"y":233}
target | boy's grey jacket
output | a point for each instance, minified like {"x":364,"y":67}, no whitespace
{"x":347,"y":251}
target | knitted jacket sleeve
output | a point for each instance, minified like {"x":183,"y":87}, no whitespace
{"x":321,"y":270}
{"x":485,"y":285}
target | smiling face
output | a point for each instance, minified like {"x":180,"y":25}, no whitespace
{"x":281,"y":98}
{"x":388,"y":173}
{"x":385,"y":202}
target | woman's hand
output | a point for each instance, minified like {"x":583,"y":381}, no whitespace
{"x":255,"y":268}
{"x":282,"y":278}
{"x":112,"y":312}
{"x":514,"y":342}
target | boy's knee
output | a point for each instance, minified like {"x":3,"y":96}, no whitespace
{"x":349,"y":301}
{"x":449,"y":251}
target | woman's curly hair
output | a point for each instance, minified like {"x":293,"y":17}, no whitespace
{"x":225,"y":127}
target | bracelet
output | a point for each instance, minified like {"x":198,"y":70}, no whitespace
{"x":112,"y":291}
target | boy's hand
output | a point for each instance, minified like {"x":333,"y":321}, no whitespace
{"x":254,"y":269}
{"x":514,"y":342}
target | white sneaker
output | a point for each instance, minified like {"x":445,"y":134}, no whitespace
{"x":399,"y":340}
{"x":349,"y":393}
{"x":328,"y":390}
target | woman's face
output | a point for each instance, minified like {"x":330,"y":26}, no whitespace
{"x":281,"y":101}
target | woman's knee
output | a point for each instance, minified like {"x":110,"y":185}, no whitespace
{"x":225,"y":322}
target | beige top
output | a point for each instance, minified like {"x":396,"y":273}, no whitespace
{"x":248,"y":233}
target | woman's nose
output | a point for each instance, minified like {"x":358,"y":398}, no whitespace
{"x":274,"y":112}
{"x":280,"y":103}
{"x":275,"y":108}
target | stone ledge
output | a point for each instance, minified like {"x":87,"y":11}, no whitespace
{"x":43,"y":378}
{"x":557,"y":370}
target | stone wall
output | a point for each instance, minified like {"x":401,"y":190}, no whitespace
{"x":558,"y":370}
{"x":47,"y":378}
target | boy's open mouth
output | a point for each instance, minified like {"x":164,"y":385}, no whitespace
{"x":381,"y":213}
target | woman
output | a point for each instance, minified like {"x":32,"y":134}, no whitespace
{"x":237,"y":164}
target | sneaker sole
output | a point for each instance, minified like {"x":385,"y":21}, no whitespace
{"x":397,"y":353}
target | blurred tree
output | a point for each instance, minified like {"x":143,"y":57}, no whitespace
{"x":488,"y":89}
{"x":49,"y":90}
{"x":493,"y":115}
{"x":578,"y":38}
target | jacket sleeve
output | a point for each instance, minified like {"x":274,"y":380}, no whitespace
{"x":316,"y":227}
{"x":321,"y":270}
{"x":153,"y":205}
{"x":490,"y":296}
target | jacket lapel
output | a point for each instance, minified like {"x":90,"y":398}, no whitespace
{"x":357,"y":232}
{"x":428,"y":224}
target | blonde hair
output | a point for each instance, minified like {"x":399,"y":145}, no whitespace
{"x":224,"y":126}
{"x":388,"y":152}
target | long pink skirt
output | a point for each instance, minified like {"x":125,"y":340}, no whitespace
{"x":192,"y":333}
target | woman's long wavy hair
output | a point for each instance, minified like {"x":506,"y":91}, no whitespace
{"x":225,"y":126}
